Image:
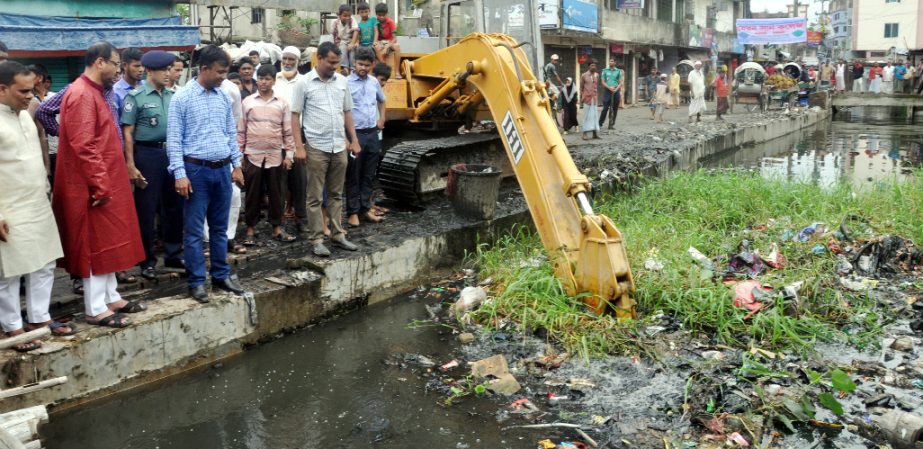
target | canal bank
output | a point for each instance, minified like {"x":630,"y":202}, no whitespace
{"x":292,"y":291}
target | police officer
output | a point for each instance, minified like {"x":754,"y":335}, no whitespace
{"x":144,"y":123}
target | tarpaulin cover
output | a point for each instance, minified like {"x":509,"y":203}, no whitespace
{"x":50,"y":34}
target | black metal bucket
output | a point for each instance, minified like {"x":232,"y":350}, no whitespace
{"x":473,"y":190}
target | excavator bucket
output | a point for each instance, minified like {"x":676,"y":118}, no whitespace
{"x":602,"y":269}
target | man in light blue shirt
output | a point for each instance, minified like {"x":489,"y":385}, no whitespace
{"x":201,"y":142}
{"x":900,"y":72}
{"x":368,"y":103}
{"x":132,"y":73}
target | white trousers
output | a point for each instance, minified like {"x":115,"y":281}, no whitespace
{"x":98,"y":292}
{"x":234,"y":215}
{"x":38,"y":298}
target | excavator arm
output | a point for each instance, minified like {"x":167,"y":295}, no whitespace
{"x":587,"y":250}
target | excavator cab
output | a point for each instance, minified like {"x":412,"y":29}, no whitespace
{"x":515,"y":18}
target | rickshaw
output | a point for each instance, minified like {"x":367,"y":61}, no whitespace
{"x":749,"y":87}
{"x":784,"y":84}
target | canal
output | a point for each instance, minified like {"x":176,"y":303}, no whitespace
{"x":330,"y":386}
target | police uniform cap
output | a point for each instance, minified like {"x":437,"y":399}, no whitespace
{"x":157,"y":59}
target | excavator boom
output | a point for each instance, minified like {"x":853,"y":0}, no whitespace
{"x":588,"y":251}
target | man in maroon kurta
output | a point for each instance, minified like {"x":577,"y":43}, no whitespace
{"x":92,"y":198}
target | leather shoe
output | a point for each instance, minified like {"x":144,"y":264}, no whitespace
{"x":343,"y":243}
{"x":320,"y":250}
{"x":228,"y":285}
{"x":178,"y":264}
{"x":149,"y":273}
{"x":199,"y":294}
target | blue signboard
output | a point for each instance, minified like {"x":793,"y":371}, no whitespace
{"x":629,"y":4}
{"x":580,"y":15}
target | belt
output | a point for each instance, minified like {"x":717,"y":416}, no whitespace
{"x":153,"y":144}
{"x":366,"y":130}
{"x":209,"y":164}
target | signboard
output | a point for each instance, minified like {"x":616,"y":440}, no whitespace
{"x":548,"y":15}
{"x":738,"y":47}
{"x":580,"y":15}
{"x":708,"y":36}
{"x":695,"y":35}
{"x":629,"y":4}
{"x":815,"y":38}
{"x":772,"y":31}
{"x":584,"y":54}
{"x":618,"y":49}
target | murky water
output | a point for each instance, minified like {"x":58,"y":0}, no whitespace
{"x":324,"y":387}
{"x":859,"y":146}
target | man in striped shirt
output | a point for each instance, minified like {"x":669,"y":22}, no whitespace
{"x":201,"y":142}
{"x":265,"y":135}
{"x":322,"y":107}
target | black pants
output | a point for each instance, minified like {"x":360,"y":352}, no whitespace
{"x":257,"y":179}
{"x":159,"y":196}
{"x":296,"y":185}
{"x":611,"y":101}
{"x":361,"y":171}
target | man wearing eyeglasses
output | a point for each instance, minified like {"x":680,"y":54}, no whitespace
{"x":92,"y":198}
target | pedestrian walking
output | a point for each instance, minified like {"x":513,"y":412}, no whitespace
{"x":92,"y":199}
{"x":265,"y":135}
{"x":296,"y":179}
{"x":696,"y":81}
{"x":661,"y":96}
{"x":29,"y":243}
{"x":650,"y":87}
{"x":144,"y":124}
{"x":369,"y":118}
{"x":322,"y":109}
{"x":201,"y":143}
{"x":722,"y":91}
{"x":550,"y":71}
{"x":611,"y":78}
{"x":589,"y":98}
{"x":569,"y":105}
{"x":674,"y":88}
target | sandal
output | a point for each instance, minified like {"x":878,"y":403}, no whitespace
{"x":284,"y":237}
{"x":125,"y":278}
{"x":131,"y":307}
{"x":239,"y":249}
{"x":28,"y":346}
{"x":57,"y":328}
{"x":250,"y":240}
{"x":116,"y":320}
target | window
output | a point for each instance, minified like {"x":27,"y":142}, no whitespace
{"x":256,"y":15}
{"x":891,"y":30}
{"x":836,"y":29}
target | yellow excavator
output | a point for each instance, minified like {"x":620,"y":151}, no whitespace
{"x":490,"y":75}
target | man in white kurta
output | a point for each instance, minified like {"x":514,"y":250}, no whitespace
{"x":697,"y":88}
{"x":29,"y":243}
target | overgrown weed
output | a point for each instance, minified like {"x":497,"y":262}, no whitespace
{"x":713,"y":213}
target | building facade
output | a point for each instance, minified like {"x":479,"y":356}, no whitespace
{"x":886,"y":29}
{"x":840,"y":29}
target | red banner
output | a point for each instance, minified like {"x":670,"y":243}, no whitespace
{"x":618,"y":49}
{"x":815,"y":37}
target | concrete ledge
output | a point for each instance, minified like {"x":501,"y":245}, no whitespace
{"x":177,"y":334}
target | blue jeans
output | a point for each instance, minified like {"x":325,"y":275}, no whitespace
{"x":210,"y":199}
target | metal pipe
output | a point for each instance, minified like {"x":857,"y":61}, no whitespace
{"x":584,"y":203}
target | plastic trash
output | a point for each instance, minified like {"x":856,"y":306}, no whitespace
{"x":818,"y":249}
{"x":702,"y":259}
{"x":810,"y":232}
{"x":745,"y":297}
{"x":470,"y":299}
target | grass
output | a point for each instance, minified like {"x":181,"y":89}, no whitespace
{"x":713,"y":213}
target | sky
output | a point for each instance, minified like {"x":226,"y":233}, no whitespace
{"x":779,"y":6}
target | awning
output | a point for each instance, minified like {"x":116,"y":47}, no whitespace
{"x":43,"y":36}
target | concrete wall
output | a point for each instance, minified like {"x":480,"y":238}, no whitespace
{"x":870,"y":17}
{"x":91,"y":8}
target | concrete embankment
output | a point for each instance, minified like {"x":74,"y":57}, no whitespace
{"x":291,"y":290}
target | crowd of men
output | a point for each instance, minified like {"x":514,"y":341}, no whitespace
{"x":123,"y":161}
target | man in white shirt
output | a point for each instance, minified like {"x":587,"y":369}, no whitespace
{"x":296,"y":179}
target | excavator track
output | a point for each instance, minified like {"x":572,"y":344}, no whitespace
{"x":415,"y":171}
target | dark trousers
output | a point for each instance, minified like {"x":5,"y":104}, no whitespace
{"x":210,"y":199}
{"x":295,"y":183}
{"x":158,"y":197}
{"x":611,"y":101}
{"x":361,"y":172}
{"x":257,"y":179}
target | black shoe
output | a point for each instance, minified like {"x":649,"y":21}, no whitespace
{"x":149,"y":273}
{"x":228,"y":285}
{"x":199,"y":294}
{"x":178,"y":264}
